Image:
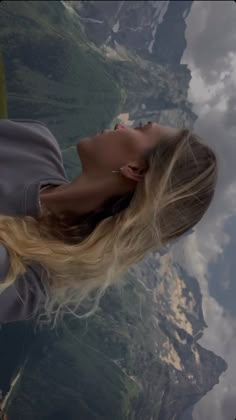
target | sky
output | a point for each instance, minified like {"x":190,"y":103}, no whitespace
{"x":211,"y":57}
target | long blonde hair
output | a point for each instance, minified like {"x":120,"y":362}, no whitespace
{"x":83,"y":256}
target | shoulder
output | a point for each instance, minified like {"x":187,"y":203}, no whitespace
{"x":25,"y":126}
{"x":7,"y":121}
{"x":4,"y":262}
{"x":38,"y":127}
{"x":28,"y":121}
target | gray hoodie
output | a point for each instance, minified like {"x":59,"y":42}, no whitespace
{"x":30,"y":157}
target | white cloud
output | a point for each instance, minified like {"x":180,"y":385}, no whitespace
{"x":211,"y":38}
{"x":211,"y":57}
{"x":220,"y":336}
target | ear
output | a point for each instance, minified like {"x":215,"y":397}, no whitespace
{"x":134,"y":171}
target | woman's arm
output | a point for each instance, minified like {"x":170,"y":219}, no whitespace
{"x":21,"y":300}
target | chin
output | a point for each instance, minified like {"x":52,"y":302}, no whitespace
{"x":83,"y":144}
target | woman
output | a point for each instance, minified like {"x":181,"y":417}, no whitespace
{"x":60,"y":241}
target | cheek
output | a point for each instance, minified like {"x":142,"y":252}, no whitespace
{"x":137,"y":145}
{"x":111,"y":152}
{"x":99,"y":151}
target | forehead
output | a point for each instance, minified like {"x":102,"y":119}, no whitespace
{"x":143,"y":137}
{"x":163,"y":130}
{"x":150,"y":135}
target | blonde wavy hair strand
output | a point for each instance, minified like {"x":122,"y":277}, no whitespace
{"x":83,"y":256}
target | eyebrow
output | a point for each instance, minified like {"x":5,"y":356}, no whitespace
{"x":145,"y":125}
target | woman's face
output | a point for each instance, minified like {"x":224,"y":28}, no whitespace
{"x":113,"y":149}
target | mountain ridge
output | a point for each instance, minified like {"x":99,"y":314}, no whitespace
{"x":138,"y":357}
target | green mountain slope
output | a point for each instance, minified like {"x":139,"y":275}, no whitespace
{"x":138,"y":357}
{"x":54,"y":75}
{"x":3,"y":92}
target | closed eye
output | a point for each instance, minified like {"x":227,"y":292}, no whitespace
{"x":140,"y":127}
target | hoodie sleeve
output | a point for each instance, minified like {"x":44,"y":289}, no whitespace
{"x":21,"y":300}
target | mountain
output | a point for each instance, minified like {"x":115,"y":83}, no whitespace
{"x":138,"y":357}
{"x":3,"y":104}
{"x":143,"y":27}
{"x":50,"y":74}
{"x":141,"y":346}
{"x":146,"y":41}
{"x":187,"y":415}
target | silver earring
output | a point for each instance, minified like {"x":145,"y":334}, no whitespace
{"x":116,"y":172}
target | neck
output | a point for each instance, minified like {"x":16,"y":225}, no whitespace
{"x":83,"y":194}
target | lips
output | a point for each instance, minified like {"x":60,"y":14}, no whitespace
{"x":117,"y":126}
